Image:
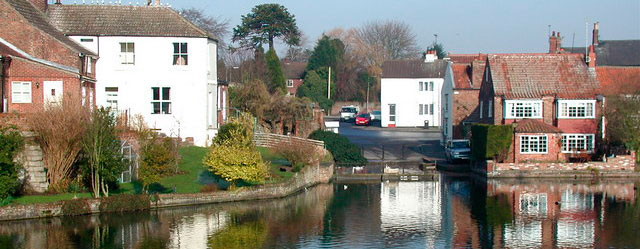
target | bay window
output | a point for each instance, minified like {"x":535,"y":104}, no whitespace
{"x":577,"y":143}
{"x":536,"y":144}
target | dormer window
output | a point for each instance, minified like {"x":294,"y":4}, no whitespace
{"x":180,"y":54}
{"x":515,"y":109}
{"x":576,"y":109}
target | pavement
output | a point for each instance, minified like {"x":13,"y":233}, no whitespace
{"x":395,"y":144}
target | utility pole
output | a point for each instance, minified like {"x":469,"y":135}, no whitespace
{"x":329,"y":85}
{"x":368,"y":84}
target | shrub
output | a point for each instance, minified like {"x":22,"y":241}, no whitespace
{"x":158,"y":158}
{"x":491,"y":141}
{"x":298,"y":153}
{"x":212,"y":187}
{"x":75,"y":207}
{"x":234,"y":162}
{"x":60,"y":129}
{"x":342,"y":149}
{"x":124,"y":202}
{"x":234,"y":131}
{"x":11,"y":143}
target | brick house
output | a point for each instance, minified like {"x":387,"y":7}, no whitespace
{"x":294,"y":74}
{"x":460,"y":94}
{"x":553,"y":101}
{"x":40,"y":64}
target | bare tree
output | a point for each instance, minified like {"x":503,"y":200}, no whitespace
{"x":300,"y":52}
{"x":218,"y":27}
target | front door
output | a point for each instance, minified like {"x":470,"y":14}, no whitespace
{"x":392,"y":115}
{"x":52,"y":92}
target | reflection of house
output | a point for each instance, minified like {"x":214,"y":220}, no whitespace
{"x":551,"y":97}
{"x":294,"y":73}
{"x":460,"y":95}
{"x":153,"y":62}
{"x":410,"y":91}
{"x":38,"y":63}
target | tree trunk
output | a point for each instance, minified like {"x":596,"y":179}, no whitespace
{"x":271,"y":42}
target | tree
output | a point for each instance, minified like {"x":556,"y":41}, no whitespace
{"x":623,"y":120}
{"x":265,"y":23}
{"x":327,"y":53}
{"x":158,"y":158}
{"x":439,"y":49}
{"x":101,"y":147}
{"x":315,"y":88}
{"x":217,"y":27}
{"x":11,"y":142}
{"x":275,"y":75}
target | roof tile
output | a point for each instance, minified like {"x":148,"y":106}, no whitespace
{"x":534,"y":126}
{"x":413,"y":69}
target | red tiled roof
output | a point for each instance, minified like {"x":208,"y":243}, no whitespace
{"x":293,"y":69}
{"x":461,"y":75}
{"x":534,"y":126}
{"x":522,"y":76}
{"x":619,"y":80}
{"x":466,"y":58}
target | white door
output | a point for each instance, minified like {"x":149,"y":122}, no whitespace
{"x":392,"y":115}
{"x":52,"y":92}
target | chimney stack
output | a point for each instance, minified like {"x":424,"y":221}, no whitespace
{"x":430,"y":56}
{"x":596,"y":31}
{"x":591,"y":59}
{"x":555,"y":43}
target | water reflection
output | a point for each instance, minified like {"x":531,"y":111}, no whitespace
{"x":455,"y":212}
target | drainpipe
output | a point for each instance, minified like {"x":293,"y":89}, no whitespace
{"x":4,"y":63}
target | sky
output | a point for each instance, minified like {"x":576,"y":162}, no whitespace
{"x":462,"y":26}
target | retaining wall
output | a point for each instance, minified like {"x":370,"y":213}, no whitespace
{"x":269,"y":140}
{"x":308,"y":177}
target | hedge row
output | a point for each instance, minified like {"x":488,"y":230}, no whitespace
{"x":114,"y":203}
{"x":342,"y":149}
{"x":491,"y":141}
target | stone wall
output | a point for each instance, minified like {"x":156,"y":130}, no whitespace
{"x":269,"y":140}
{"x":624,"y":162}
{"x":31,"y":159}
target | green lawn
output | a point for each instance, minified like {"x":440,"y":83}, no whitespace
{"x":30,"y":199}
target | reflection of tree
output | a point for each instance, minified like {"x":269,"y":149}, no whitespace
{"x":151,"y":242}
{"x":250,"y":234}
{"x":622,"y":220}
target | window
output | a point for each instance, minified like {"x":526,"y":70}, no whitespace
{"x":533,"y":144}
{"x":431,"y":109}
{"x":161,"y":100}
{"x":21,"y":92}
{"x":289,"y":83}
{"x":392,"y":112}
{"x":112,"y":98}
{"x":86,"y":40}
{"x":430,"y":85}
{"x":481,"y":107}
{"x":88,"y":67}
{"x":421,"y":86}
{"x":490,"y":109}
{"x":577,"y":143}
{"x":421,"y":111}
{"x":523,"y":109}
{"x":180,"y":53}
{"x":127,"y":53}
{"x":446,"y":102}
{"x":576,"y":108}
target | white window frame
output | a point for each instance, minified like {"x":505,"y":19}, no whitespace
{"x":180,"y":53}
{"x":538,"y":141}
{"x":161,"y":101}
{"x":564,"y":109}
{"x":290,"y":83}
{"x":127,"y":57}
{"x":568,"y":138}
{"x":421,"y":109}
{"x":111,"y":96}
{"x":490,"y":109}
{"x":21,"y":92}
{"x":431,"y":86}
{"x":421,"y":86}
{"x":510,"y":110}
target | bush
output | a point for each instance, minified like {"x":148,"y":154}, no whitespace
{"x":75,"y":207}
{"x":234,"y":131}
{"x":342,"y":149}
{"x":11,"y":143}
{"x":209,"y":188}
{"x":158,"y":159}
{"x":121,"y":203}
{"x":491,"y":141}
{"x":298,"y":153}
{"x":235,"y":163}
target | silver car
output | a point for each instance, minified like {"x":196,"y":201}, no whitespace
{"x":457,"y":149}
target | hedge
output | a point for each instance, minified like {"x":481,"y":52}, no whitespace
{"x":491,"y":141}
{"x":125,"y":202}
{"x":342,"y":149}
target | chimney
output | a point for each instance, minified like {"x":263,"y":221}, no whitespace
{"x":591,"y":58}
{"x":58,"y":2}
{"x":430,"y":56}
{"x":596,"y":31}
{"x":40,"y":4}
{"x":555,"y":43}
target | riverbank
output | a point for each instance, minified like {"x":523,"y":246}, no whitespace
{"x":307,"y":177}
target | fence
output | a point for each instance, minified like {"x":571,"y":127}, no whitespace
{"x":269,"y":140}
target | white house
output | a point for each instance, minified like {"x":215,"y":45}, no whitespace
{"x":410,"y":92}
{"x":153,"y":62}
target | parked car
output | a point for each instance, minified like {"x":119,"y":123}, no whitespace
{"x":348,"y":113}
{"x":457,"y":149}
{"x":376,"y":115}
{"x":363,"y":119}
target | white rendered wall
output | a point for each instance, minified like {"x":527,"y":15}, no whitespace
{"x":190,"y":84}
{"x":447,"y":114}
{"x":406,"y":94}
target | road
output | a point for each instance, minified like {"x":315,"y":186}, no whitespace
{"x":395,"y":144}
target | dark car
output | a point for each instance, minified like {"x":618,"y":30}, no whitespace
{"x":363,"y":119}
{"x":458,"y":149}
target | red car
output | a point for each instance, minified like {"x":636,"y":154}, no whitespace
{"x":363,"y":119}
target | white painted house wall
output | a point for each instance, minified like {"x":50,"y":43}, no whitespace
{"x":447,"y":104}
{"x":193,"y":87}
{"x":406,"y":95}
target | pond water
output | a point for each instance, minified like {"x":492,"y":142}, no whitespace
{"x":454,"y":212}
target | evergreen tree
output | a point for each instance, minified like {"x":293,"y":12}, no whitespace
{"x":315,"y":88}
{"x":275,"y":76}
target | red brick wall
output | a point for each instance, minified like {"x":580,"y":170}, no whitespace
{"x":24,"y":70}
{"x":296,"y":83}
{"x":624,"y":162}
{"x":553,"y":149}
{"x":464,"y":103}
{"x":16,"y":30}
